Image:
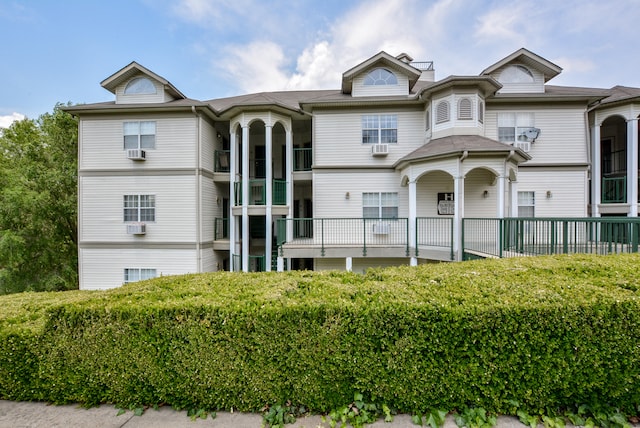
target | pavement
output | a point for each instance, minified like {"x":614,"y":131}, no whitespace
{"x":26,"y":414}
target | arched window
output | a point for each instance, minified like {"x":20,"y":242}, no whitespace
{"x":442,"y":112}
{"x":140,"y":85}
{"x":481,"y":112}
{"x":465,"y":109}
{"x":381,"y":76}
{"x":516,"y":74}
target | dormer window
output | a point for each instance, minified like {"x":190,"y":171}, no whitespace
{"x":140,"y":85}
{"x":516,"y":74}
{"x":380,"y":76}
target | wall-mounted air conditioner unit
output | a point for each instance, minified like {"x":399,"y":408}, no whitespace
{"x":136,"y":229}
{"x":136,"y":154}
{"x":381,"y":228}
{"x":525,"y":146}
{"x":380,"y":149}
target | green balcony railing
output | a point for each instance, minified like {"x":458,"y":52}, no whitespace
{"x":258,"y":192}
{"x":256,"y":263}
{"x":434,"y":232}
{"x":351,"y":232}
{"x":614,"y":190}
{"x":302,"y":159}
{"x":508,"y":237}
{"x":221,"y":160}
{"x":220,"y":228}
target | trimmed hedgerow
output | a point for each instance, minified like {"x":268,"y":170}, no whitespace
{"x":546,"y":332}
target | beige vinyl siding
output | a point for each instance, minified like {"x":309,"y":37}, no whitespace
{"x":562,"y":137}
{"x":427,"y":190}
{"x":475,"y":204}
{"x":627,"y":111}
{"x":568,"y":187}
{"x":103,"y":143}
{"x":208,"y":139}
{"x":329,"y":199}
{"x":329,"y":264}
{"x":104,"y":268}
{"x":160,"y":96}
{"x":362,"y":90}
{"x":211,"y":208}
{"x":101,"y":204}
{"x":209,"y":260}
{"x":338,"y":137}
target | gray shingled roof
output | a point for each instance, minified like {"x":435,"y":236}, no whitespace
{"x":621,"y":93}
{"x":459,"y":144}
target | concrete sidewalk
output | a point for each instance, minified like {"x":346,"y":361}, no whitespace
{"x":23,"y":414}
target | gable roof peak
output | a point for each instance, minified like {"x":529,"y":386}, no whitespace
{"x":525,"y":56}
{"x":382,"y":58}
{"x":134,"y":69}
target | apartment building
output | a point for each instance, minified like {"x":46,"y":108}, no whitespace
{"x":392,"y":168}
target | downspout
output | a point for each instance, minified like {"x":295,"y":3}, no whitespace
{"x":198,"y":195}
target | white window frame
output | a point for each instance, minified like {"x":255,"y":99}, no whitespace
{"x":526,"y":201}
{"x":139,"y":135}
{"x":140,"y":86}
{"x":427,"y":121}
{"x":139,"y":274}
{"x":379,"y":129}
{"x":139,"y":208}
{"x":481,"y":111}
{"x":516,"y":74}
{"x":380,"y":77}
{"x":380,"y":205}
{"x":513,"y":124}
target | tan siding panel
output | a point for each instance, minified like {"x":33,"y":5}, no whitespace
{"x":568,"y":194}
{"x":362,"y":90}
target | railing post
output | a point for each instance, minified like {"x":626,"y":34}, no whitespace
{"x":565,"y":237}
{"x":501,"y":225}
{"x":364,"y":237}
{"x":416,"y":232}
{"x":321,"y":237}
{"x":634,"y":237}
{"x":461,"y":238}
{"x":406,"y":222}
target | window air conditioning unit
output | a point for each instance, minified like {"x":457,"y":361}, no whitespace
{"x":136,"y":154}
{"x":136,"y":229}
{"x":525,"y":146}
{"x":380,"y":149}
{"x":381,"y":228}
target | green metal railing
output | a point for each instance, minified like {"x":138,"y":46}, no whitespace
{"x":614,"y":190}
{"x":221,"y":160}
{"x":487,"y":237}
{"x":256,"y":263}
{"x":220,"y":228}
{"x":258,"y":192}
{"x":302,"y":159}
{"x":434,"y":232}
{"x":351,"y":232}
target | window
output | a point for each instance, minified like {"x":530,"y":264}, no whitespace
{"x":526,"y":204}
{"x":139,"y":208}
{"x":380,"y":205}
{"x":427,"y":121}
{"x":380,"y":76}
{"x":513,"y":125}
{"x":465,"y":109}
{"x":378,"y":129}
{"x":516,"y":74}
{"x":442,"y":112}
{"x":140,"y":85}
{"x":139,"y":135}
{"x":480,"y":112}
{"x":138,"y":274}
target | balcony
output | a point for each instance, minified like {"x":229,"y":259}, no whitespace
{"x":614,"y":190}
{"x":221,"y":161}
{"x":256,"y":263}
{"x":258,"y":192}
{"x":302,"y":159}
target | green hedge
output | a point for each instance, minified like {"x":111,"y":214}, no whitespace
{"x":547,"y":332}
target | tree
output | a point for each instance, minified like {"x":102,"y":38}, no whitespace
{"x":38,"y":204}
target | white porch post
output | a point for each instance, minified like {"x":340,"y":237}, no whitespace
{"x":245,"y":198}
{"x":632,"y":167}
{"x":458,"y":197}
{"x":502,"y":180}
{"x":348,"y":264}
{"x":413,"y":214}
{"x":233,"y":150}
{"x":596,"y":178}
{"x":268,"y":133}
{"x":289,"y":179}
{"x":513,"y":209}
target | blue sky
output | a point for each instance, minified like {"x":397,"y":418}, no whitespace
{"x":60,"y":51}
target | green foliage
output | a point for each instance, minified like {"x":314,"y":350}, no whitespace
{"x":475,"y":417}
{"x":432,"y":418}
{"x":38,"y":182}
{"x":526,"y":335}
{"x":358,"y":413}
{"x":277,"y":416}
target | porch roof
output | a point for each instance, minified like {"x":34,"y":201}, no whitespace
{"x":458,"y":144}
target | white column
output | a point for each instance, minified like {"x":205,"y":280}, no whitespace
{"x":348,"y":264}
{"x":513,"y":209}
{"x":413,"y":214}
{"x":268,"y":136}
{"x":245,"y":198}
{"x":458,"y":197}
{"x":289,"y":178}
{"x":232,"y":198}
{"x":632,"y":167}
{"x":596,"y":178}
{"x":502,"y":180}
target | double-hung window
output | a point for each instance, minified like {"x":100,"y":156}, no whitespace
{"x":380,"y":205}
{"x":379,"y":128}
{"x":513,"y":125}
{"x":526,"y":204}
{"x":139,"y":208}
{"x":138,"y":274}
{"x":139,"y":135}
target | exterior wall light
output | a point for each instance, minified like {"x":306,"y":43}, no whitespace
{"x":549,"y":195}
{"x":347,"y":195}
{"x":485,"y":194}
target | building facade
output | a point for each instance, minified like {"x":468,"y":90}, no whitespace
{"x":383,"y":171}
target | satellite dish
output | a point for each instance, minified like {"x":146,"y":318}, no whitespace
{"x":532,"y":133}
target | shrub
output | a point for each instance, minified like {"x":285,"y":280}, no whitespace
{"x":545,"y":332}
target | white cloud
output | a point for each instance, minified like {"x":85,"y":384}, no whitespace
{"x":6,"y":121}
{"x":257,"y":67}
